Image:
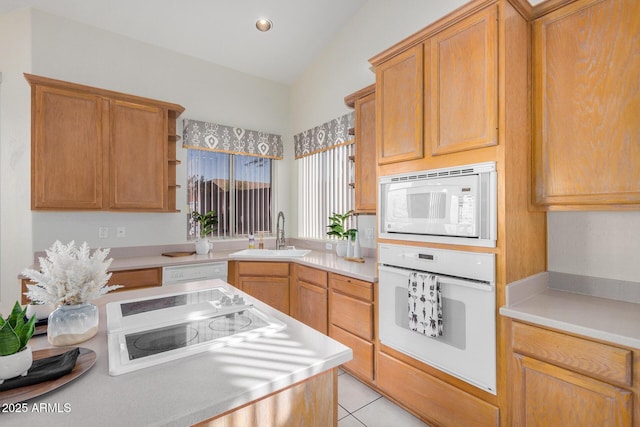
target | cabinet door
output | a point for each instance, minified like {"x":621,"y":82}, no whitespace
{"x":365,"y":155}
{"x":463,"y":86}
{"x":273,"y":291}
{"x":312,"y":306}
{"x":546,"y":395}
{"x":138,"y":157}
{"x":68,"y":149}
{"x":586,"y":100}
{"x":399,"y":87}
{"x":135,"y":279}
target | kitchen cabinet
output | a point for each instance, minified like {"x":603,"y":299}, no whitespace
{"x":94,"y":149}
{"x":351,"y":321}
{"x":399,"y":107}
{"x":129,"y":279}
{"x":266,"y":281}
{"x":586,"y":100}
{"x":440,"y":96}
{"x":560,"y":379}
{"x":462,"y":86}
{"x":309,"y":297}
{"x":364,"y":104}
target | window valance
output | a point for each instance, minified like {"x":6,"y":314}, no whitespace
{"x":228,"y":139}
{"x":323,"y":137}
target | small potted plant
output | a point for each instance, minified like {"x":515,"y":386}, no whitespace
{"x":337,"y":228}
{"x":208,"y":224}
{"x":15,"y":355}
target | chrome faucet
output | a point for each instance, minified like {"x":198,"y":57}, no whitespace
{"x":280,"y":242}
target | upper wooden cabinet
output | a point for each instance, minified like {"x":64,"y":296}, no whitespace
{"x":462,"y":87}
{"x":94,"y":149}
{"x":586,"y":106}
{"x":364,"y":104}
{"x":440,"y":94}
{"x":399,"y":88}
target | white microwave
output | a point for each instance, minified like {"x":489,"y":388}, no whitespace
{"x":451,"y":205}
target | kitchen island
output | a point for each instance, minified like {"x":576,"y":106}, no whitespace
{"x":286,"y":377}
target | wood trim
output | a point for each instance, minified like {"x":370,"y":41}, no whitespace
{"x":350,"y":100}
{"x":39,"y":80}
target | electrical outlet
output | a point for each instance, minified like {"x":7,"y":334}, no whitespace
{"x":103,"y":232}
{"x":328,"y":246}
{"x":121,"y":232}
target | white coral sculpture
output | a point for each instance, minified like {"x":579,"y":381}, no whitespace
{"x":70,"y":275}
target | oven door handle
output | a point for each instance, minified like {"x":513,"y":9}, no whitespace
{"x":449,"y":280}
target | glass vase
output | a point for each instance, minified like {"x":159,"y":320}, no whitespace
{"x":72,"y":324}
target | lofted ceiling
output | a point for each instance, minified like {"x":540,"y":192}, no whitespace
{"x":219,"y":31}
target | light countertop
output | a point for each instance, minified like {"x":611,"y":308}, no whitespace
{"x":188,"y":390}
{"x":535,"y":300}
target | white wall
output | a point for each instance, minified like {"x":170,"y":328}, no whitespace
{"x":66,"y":50}
{"x":15,"y":107}
{"x":598,"y":244}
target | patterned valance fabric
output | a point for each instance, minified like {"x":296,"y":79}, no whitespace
{"x":228,"y":139}
{"x":325,"y":136}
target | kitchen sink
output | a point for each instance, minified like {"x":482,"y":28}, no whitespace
{"x":270,"y":253}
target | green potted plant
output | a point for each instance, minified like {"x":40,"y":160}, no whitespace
{"x":208,"y":224}
{"x":337,"y":228}
{"x":15,"y":355}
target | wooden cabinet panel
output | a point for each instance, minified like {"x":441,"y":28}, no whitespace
{"x":432,"y":399}
{"x":273,"y":291}
{"x":362,"y":362}
{"x":586,"y":100}
{"x":258,"y":268}
{"x":463,"y":85}
{"x":602,"y":361}
{"x":100,"y":150}
{"x":311,"y":275}
{"x":552,"y":396}
{"x":138,"y":157}
{"x":68,"y":149}
{"x":352,"y":287}
{"x":353,"y":315}
{"x":399,"y":89}
{"x":365,"y":154}
{"x":312,"y":306}
{"x":133,"y":279}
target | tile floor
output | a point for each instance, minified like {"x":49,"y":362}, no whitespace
{"x":359,"y":406}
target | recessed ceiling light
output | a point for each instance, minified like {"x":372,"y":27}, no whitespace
{"x":264,"y":24}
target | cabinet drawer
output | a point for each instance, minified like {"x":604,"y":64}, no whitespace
{"x":353,"y":315}
{"x":434,"y":400}
{"x":257,"y":268}
{"x":353,"y":287}
{"x":362,"y":362}
{"x":133,"y":279}
{"x":595,"y":359}
{"x":311,"y":275}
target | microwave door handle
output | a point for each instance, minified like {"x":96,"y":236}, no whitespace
{"x":447,"y":280}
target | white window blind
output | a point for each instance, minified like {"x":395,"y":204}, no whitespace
{"x":323,"y":188}
{"x":239,"y":188}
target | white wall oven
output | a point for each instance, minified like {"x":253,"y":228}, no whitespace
{"x":438,"y":306}
{"x":451,"y":205}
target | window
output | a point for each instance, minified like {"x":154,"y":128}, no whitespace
{"x":237,"y":187}
{"x":323,"y":188}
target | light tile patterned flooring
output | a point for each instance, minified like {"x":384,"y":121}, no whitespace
{"x":359,"y":406}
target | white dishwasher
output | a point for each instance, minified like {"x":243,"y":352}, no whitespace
{"x":175,"y":274}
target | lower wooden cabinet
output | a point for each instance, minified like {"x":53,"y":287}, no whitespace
{"x":562,"y":380}
{"x":432,"y":399}
{"x":266,"y":281}
{"x":351,"y":322}
{"x":309,"y":301}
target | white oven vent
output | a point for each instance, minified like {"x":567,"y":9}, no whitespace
{"x":439,"y":173}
